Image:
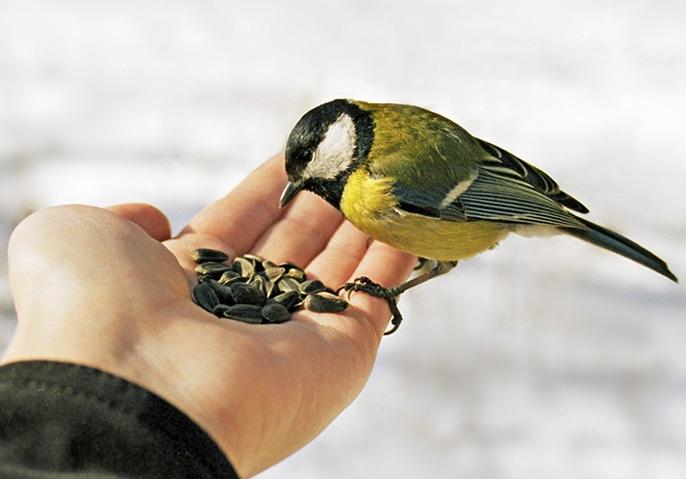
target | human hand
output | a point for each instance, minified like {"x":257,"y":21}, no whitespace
{"x":110,"y":289}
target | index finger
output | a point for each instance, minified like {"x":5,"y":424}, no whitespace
{"x":241,"y":217}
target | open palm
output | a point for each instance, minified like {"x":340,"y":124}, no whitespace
{"x":111,"y":289}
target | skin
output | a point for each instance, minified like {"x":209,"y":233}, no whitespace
{"x":110,"y":289}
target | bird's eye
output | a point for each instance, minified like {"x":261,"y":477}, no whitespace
{"x":303,"y":155}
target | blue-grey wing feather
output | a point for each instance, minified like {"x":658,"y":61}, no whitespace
{"x":505,"y":189}
{"x":492,"y":197}
{"x":532,"y":175}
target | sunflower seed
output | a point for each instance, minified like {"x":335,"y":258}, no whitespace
{"x":204,"y":296}
{"x":253,"y":258}
{"x":324,"y":303}
{"x":222,"y":291}
{"x":294,"y":272}
{"x":260,"y":283}
{"x":230,"y":276}
{"x":246,"y":313}
{"x":255,"y":290}
{"x":212,"y":269}
{"x":266,"y":264}
{"x":203,"y":255}
{"x":256,"y":261}
{"x":288,"y":284}
{"x":244,"y":267}
{"x":274,"y":273}
{"x":275,"y":313}
{"x":312,"y":286}
{"x":269,"y":287}
{"x":246,"y":294}
{"x":220,"y":309}
{"x":288,"y":300}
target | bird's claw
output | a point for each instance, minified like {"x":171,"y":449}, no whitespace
{"x":366,"y":285}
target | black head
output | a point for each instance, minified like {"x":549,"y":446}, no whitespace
{"x":324,"y":147}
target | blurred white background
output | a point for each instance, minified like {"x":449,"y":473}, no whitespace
{"x":543,"y":358}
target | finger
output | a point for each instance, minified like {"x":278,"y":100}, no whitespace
{"x":301,"y":233}
{"x":152,"y":220}
{"x":387,"y":266}
{"x":341,"y":256}
{"x":243,"y":215}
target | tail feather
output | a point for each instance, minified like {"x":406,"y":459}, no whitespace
{"x":619,"y":244}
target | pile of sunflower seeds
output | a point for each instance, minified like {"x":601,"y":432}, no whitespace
{"x":254,"y":290}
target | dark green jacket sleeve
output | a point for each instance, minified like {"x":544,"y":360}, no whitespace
{"x":65,"y":421}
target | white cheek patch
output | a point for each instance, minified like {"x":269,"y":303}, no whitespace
{"x":335,"y":153}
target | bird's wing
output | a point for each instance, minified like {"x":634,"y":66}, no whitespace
{"x":502,"y":188}
{"x":508,"y":164}
{"x":495,"y":196}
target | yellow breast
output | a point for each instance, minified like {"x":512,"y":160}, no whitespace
{"x":367,"y":203}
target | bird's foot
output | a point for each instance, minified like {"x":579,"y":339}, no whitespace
{"x":425,"y":264}
{"x":368,"y":286}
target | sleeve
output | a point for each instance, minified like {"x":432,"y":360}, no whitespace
{"x":66,"y":420}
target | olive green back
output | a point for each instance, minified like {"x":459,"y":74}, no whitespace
{"x":420,"y":148}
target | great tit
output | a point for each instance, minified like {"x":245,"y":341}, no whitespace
{"x":419,"y":182}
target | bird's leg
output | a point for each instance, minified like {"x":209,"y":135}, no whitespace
{"x":368,"y":286}
{"x":424,"y":264}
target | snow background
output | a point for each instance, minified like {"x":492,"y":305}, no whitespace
{"x":543,"y":358}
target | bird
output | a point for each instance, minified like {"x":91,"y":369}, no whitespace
{"x":415,"y":180}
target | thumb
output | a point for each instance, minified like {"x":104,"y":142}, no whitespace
{"x":152,"y":220}
{"x":68,"y":258}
